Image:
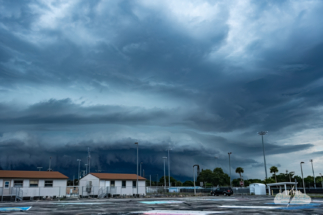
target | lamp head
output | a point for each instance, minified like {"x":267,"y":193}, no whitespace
{"x":311,"y":160}
{"x":136,"y":143}
{"x":262,"y":132}
{"x":164,"y":157}
{"x":302,"y":162}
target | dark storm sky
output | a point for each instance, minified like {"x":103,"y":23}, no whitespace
{"x":200,"y":77}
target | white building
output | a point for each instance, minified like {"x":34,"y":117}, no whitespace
{"x":32,"y":183}
{"x":101,"y":184}
{"x":257,"y":189}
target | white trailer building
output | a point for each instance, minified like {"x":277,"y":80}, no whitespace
{"x":32,"y":183}
{"x":102,"y":184}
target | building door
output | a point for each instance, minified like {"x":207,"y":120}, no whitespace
{"x":6,"y":188}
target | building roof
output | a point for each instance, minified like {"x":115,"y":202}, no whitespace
{"x":31,"y":174}
{"x":117,"y":176}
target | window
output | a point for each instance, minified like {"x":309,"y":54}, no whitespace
{"x":18,"y":183}
{"x":33,"y":183}
{"x":6,"y":184}
{"x":123,"y":184}
{"x":48,"y":183}
{"x":112,"y":183}
{"x":134,"y":183}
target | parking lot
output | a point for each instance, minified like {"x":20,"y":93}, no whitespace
{"x":162,"y":206}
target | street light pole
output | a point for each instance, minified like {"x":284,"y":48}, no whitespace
{"x":262,"y":133}
{"x":230,"y":168}
{"x":164,"y":171}
{"x":137,"y":166}
{"x":303,"y":178}
{"x":321,"y":180}
{"x":79,"y":160}
{"x":169,"y":185}
{"x":85,"y":169}
{"x":194,"y":181}
{"x":313,"y":173}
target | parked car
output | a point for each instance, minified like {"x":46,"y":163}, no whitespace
{"x":225,"y":191}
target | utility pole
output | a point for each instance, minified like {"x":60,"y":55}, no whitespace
{"x":230,"y":168}
{"x":150,"y":180}
{"x":164,"y":171}
{"x":85,"y":169}
{"x":79,"y":172}
{"x":313,"y":173}
{"x":137,"y":166}
{"x":321,"y":180}
{"x":262,"y":133}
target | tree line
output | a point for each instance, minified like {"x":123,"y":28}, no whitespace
{"x":218,"y":177}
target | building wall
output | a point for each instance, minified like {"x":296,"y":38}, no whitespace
{"x":95,"y":185}
{"x":58,"y":189}
{"x":103,"y":186}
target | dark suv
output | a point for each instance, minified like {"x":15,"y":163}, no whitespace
{"x":225,"y":191}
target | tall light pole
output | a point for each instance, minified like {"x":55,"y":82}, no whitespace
{"x":169,"y":185}
{"x":89,"y":159}
{"x":49,"y":169}
{"x":313,"y":173}
{"x":262,"y":133}
{"x":230,"y":168}
{"x":194,"y":180}
{"x":137,"y":166}
{"x":321,"y":180}
{"x":140,"y":168}
{"x":165,"y":171}
{"x":303,"y":178}
{"x":79,"y":160}
{"x":85,"y":169}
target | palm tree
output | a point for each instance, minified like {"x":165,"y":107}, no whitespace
{"x":239,"y":170}
{"x":274,"y":169}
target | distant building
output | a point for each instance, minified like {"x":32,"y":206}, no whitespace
{"x":32,"y":183}
{"x":102,"y":184}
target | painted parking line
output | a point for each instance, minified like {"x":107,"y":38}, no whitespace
{"x":161,"y":202}
{"x":80,"y":203}
{"x":179,"y":212}
{"x":250,"y":207}
{"x":296,"y":206}
{"x":9,"y":209}
{"x":213,"y":199}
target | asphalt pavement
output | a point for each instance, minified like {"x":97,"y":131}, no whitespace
{"x":163,"y":206}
